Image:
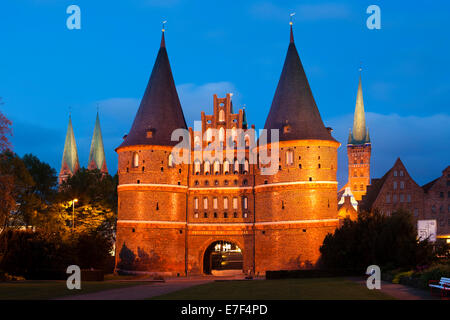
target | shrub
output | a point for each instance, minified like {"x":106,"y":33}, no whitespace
{"x":435,"y":272}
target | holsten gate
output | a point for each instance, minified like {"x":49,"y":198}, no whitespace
{"x":221,"y":212}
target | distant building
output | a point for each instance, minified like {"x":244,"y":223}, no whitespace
{"x":358,"y":150}
{"x":70,"y":163}
{"x":397,"y":189}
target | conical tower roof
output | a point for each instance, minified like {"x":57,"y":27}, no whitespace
{"x":160,"y":112}
{"x":97,"y":158}
{"x":360,"y":134}
{"x":293,"y":104}
{"x":70,"y":154}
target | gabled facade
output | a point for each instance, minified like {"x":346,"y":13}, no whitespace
{"x":437,"y":202}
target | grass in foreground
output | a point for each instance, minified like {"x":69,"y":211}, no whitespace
{"x":43,"y":290}
{"x":288,"y":289}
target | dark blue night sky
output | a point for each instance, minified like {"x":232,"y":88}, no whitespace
{"x":229,"y":46}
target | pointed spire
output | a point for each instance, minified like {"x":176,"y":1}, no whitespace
{"x":163,"y":40}
{"x":290,"y":23}
{"x":359,"y":131}
{"x":244,"y":118}
{"x":70,"y":162}
{"x":97,"y":158}
{"x":294,"y":101}
{"x":160,"y":112}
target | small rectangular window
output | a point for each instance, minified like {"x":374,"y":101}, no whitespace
{"x":205,"y":203}
{"x":215,"y":203}
{"x":235,"y":203}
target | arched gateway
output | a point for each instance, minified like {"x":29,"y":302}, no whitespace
{"x":222,"y":255}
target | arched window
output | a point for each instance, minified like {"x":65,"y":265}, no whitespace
{"x":247,"y":141}
{"x":135,"y":160}
{"x":209,"y":135}
{"x":196,"y":203}
{"x":207,"y":168}
{"x":245,"y":203}
{"x":235,"y":203}
{"x":236,"y":166}
{"x":226,"y":167}
{"x":216,"y":167}
{"x":234,"y":134}
{"x":222,"y":134}
{"x":225,"y":203}
{"x":197,"y":167}
{"x":289,"y":157}
{"x":170,"y":161}
{"x":197,"y":142}
{"x":215,"y":203}
{"x":205,"y":203}
{"x":221,"y":115}
{"x":246,"y":166}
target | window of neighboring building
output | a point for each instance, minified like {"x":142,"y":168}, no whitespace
{"x":395,"y":185}
{"x":395,"y":173}
{"x":408,"y":198}
{"x":441,"y":209}
{"x":394,"y":198}
{"x":416,"y":212}
{"x":441,"y":194}
{"x":433,"y":208}
{"x":402,"y":185}
{"x":402,"y":198}
{"x":401,"y":173}
{"x":388,"y":198}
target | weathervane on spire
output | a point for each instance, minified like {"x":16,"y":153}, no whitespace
{"x":290,"y":17}
{"x":164,"y":25}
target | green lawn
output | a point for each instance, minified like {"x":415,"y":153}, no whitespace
{"x":289,"y":289}
{"x":43,"y":290}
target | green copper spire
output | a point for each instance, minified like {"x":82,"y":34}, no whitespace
{"x":70,"y":162}
{"x":359,"y":134}
{"x":97,"y":152}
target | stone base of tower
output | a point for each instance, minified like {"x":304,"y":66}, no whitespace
{"x":149,"y":248}
{"x":290,"y":246}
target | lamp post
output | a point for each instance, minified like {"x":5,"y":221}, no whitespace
{"x":73,"y":213}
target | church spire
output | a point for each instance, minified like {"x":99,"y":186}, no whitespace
{"x":160,"y":112}
{"x":359,"y":132}
{"x":97,"y":158}
{"x":294,"y":111}
{"x":70,"y":162}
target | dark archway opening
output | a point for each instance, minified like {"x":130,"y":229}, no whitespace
{"x":222,"y":255}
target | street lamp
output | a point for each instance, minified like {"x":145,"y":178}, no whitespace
{"x":73,"y":213}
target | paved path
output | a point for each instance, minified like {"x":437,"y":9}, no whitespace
{"x":400,"y":291}
{"x":140,"y":292}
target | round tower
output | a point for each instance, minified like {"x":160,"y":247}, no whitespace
{"x":152,"y":191}
{"x":296,"y":206}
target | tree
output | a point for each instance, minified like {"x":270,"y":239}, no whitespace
{"x":387,"y":241}
{"x":5,"y":131}
{"x":7,"y":201}
{"x":44,"y":177}
{"x":96,"y":208}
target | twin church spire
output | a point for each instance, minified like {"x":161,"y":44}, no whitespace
{"x":70,"y":162}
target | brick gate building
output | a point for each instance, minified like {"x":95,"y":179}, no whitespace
{"x":171,"y":216}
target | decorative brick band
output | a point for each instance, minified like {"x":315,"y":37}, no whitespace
{"x":236,"y":224}
{"x":151,"y":186}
